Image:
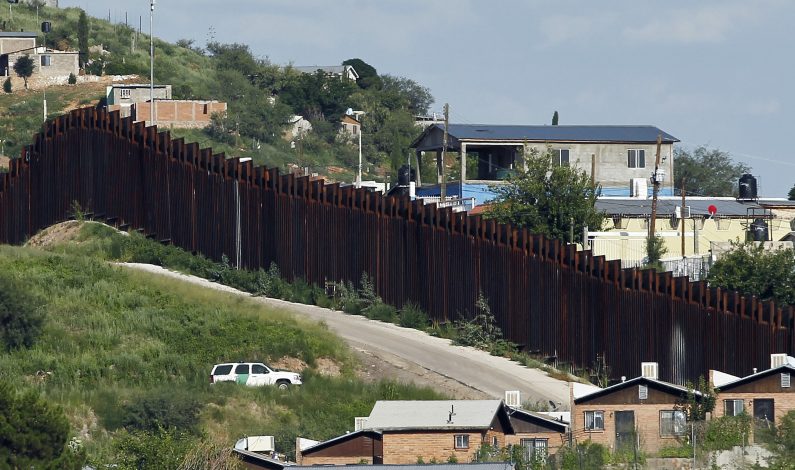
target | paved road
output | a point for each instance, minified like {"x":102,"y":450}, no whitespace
{"x":488,"y":374}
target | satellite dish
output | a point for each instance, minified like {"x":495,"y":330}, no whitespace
{"x":349,"y":111}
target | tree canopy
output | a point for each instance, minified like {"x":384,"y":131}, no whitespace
{"x":20,"y":321}
{"x":33,"y":433}
{"x":368,"y":76}
{"x":547,"y":198}
{"x":707,"y":172}
{"x":750,"y":269}
{"x":791,"y":195}
{"x":24,"y":68}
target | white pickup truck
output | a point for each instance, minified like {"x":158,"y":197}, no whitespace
{"x":253,"y":374}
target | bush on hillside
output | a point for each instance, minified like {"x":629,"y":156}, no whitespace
{"x":412,"y":316}
{"x":162,"y":410}
{"x":72,"y":79}
{"x":20,"y":318}
{"x":7,"y":85}
{"x":34,"y":433}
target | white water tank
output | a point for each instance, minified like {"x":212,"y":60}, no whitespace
{"x":257,"y":444}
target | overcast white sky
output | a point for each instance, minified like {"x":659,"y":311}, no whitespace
{"x":714,"y":72}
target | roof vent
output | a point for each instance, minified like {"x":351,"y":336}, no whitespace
{"x":513,"y":398}
{"x":649,"y":370}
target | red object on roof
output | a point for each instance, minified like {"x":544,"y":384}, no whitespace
{"x":712,"y":209}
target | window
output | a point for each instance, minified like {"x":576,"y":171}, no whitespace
{"x":534,"y":448}
{"x":494,"y":442}
{"x":595,"y":420}
{"x":733,"y":407}
{"x":242,"y":369}
{"x":636,"y":158}
{"x":785,"y":380}
{"x":462,"y":441}
{"x":124,"y":92}
{"x":561,"y":156}
{"x":673,"y":423}
{"x":643,"y":392}
{"x":223,"y":369}
{"x":258,"y":369}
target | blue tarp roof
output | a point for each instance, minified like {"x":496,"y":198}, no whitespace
{"x":559,"y":133}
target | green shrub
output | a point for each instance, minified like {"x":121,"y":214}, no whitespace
{"x":20,"y":318}
{"x":412,"y":316}
{"x":585,"y":456}
{"x":72,"y":79}
{"x":162,"y":410}
{"x":158,"y":449}
{"x":301,"y":292}
{"x":7,"y":85}
{"x":382,"y":312}
{"x":482,"y":331}
{"x":347,"y":298}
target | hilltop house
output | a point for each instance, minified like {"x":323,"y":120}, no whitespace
{"x":52,"y":65}
{"x":613,"y":155}
{"x":401,"y":432}
{"x":122,"y":96}
{"x":339,"y":71}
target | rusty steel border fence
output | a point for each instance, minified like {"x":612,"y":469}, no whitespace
{"x":546,"y":296}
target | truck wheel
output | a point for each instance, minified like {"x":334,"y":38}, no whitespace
{"x":283,"y":384}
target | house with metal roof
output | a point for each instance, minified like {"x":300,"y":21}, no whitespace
{"x":613,"y":155}
{"x":403,"y":432}
{"x":643,"y":413}
{"x":52,"y":65}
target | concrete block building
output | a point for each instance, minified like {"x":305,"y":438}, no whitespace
{"x":50,"y":66}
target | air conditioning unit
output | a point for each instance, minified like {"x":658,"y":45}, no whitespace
{"x":360,"y":423}
{"x":650,"y":370}
{"x":678,"y":212}
{"x":513,"y":398}
{"x":778,"y":360}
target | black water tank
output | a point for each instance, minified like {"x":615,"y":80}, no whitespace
{"x":747,"y":187}
{"x":406,"y":175}
{"x":759,"y":230}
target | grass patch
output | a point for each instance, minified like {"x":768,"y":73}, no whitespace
{"x":120,"y":350}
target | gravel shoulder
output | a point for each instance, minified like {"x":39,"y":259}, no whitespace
{"x":407,"y":355}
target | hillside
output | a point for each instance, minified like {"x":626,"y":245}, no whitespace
{"x":127,"y":356}
{"x":262,"y":98}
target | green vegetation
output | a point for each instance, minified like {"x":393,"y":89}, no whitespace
{"x":7,"y":85}
{"x":24,"y":68}
{"x":711,"y":171}
{"x":261,"y":98}
{"x":20,"y":319}
{"x":655,"y":250}
{"x":751,"y":269}
{"x":127,"y":356}
{"x":34,"y":433}
{"x":549,"y":199}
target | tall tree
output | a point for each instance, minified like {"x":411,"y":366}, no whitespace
{"x":555,"y":119}
{"x":712,"y":171}
{"x":82,"y":38}
{"x":548,"y":199}
{"x":752,"y":270}
{"x":791,"y":195}
{"x":24,"y":68}
{"x":368,"y":76}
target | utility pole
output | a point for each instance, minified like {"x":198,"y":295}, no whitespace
{"x":683,"y":216}
{"x":444,"y":151}
{"x":655,"y":180}
{"x":593,"y":169}
{"x":151,"y":64}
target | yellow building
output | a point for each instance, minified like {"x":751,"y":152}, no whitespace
{"x":709,"y":226}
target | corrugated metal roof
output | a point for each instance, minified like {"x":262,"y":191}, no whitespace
{"x":645,"y":134}
{"x":667,"y":206}
{"x":441,"y":466}
{"x":344,"y":437}
{"x":18,"y":34}
{"x":433,"y":414}
{"x":324,"y":68}
{"x":750,"y":378}
{"x":637,"y":380}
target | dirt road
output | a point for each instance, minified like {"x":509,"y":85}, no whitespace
{"x":405,"y":354}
